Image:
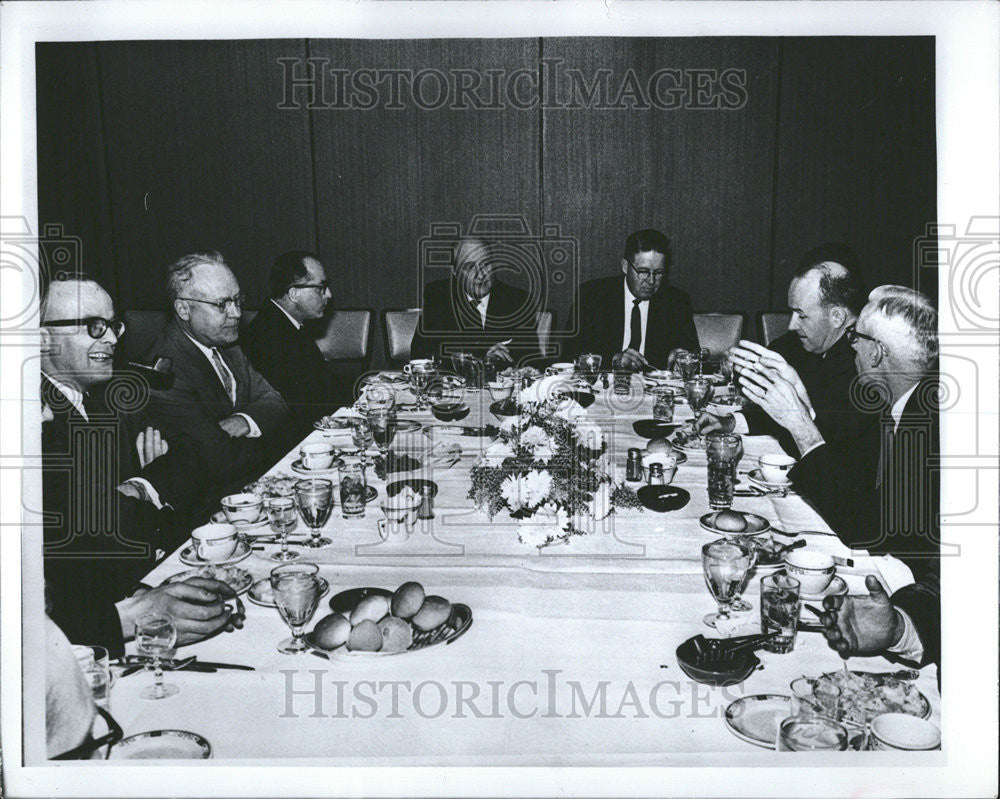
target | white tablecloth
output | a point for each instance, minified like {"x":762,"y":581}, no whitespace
{"x":570,"y":659}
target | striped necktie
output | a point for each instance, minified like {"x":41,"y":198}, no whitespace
{"x":224,"y":374}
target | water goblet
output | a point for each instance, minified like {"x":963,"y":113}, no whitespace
{"x":704,"y":361}
{"x":589,"y":364}
{"x":156,"y":636}
{"x":698,"y":391}
{"x":282,"y":514}
{"x":383,"y":427}
{"x":296,"y":593}
{"x":314,"y":498}
{"x":380,"y":398}
{"x":687,"y":364}
{"x":725,"y":563}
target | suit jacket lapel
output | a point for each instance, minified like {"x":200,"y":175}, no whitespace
{"x":209,"y":377}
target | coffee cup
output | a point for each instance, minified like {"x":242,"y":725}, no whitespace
{"x":242,"y":508}
{"x":813,"y":570}
{"x":399,"y":518}
{"x":214,"y":542}
{"x":774,"y":468}
{"x":419,"y":365}
{"x":561,"y":368}
{"x":317,"y":455}
{"x":903,"y":733}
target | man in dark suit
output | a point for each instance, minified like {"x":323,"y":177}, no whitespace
{"x":475,"y":312}
{"x":218,"y":400}
{"x":825,"y":297}
{"x":109,"y":505}
{"x":639,"y":321}
{"x":279,"y":345}
{"x":883,"y":496}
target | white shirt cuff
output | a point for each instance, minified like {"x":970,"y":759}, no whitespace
{"x":819,"y":443}
{"x":148,"y":489}
{"x":909,"y":646}
{"x":254,"y":430}
{"x":740,"y":426}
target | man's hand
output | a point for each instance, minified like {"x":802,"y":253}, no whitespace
{"x":150,"y":445}
{"x":198,"y":611}
{"x":499,"y":352}
{"x":779,"y":400}
{"x":631,"y":360}
{"x":861,"y":626}
{"x":748,"y":355}
{"x":709,"y":423}
{"x":235,"y":426}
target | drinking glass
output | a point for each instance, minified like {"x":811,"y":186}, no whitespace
{"x":282,"y":515}
{"x":383,"y":427}
{"x":361,"y":434}
{"x":698,"y":392}
{"x":687,"y":364}
{"x":296,"y":593}
{"x":353,"y":487}
{"x":723,"y":450}
{"x":704,"y":361}
{"x":314,"y":498}
{"x":811,"y":733}
{"x":663,"y":404}
{"x":156,"y":636}
{"x":725,"y":564}
{"x":380,"y":398}
{"x":589,"y":364}
{"x":779,"y":611}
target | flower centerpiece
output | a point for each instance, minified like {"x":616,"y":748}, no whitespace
{"x":548,"y":467}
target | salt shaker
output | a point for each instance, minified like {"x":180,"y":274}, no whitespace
{"x":426,"y":509}
{"x":633,"y":468}
{"x":656,"y":474}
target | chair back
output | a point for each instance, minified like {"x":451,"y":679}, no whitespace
{"x":543,"y":327}
{"x":141,"y":330}
{"x":772,"y":325}
{"x":347,"y":336}
{"x":399,"y":325}
{"x":718,"y":331}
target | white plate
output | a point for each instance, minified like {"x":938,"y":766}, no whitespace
{"x":260,"y":592}
{"x":328,"y":423}
{"x":190,"y":557}
{"x":162,"y":745}
{"x":755,"y":718}
{"x":237,"y":579}
{"x":298,"y":468}
{"x":754,"y":476}
{"x":836,"y":585}
{"x":760,"y":524}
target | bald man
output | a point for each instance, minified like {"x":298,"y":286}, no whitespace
{"x":824,"y":297}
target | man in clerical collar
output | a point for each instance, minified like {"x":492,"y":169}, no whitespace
{"x":824,"y":297}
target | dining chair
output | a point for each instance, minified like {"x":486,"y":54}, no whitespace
{"x":399,"y":326}
{"x":141,"y":330}
{"x":347,"y":336}
{"x":719,"y":331}
{"x":772,"y":324}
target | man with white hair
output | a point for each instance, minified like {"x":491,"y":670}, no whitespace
{"x":884,"y":498}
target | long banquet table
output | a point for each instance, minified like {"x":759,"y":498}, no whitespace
{"x":569,"y":661}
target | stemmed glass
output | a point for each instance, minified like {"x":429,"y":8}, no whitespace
{"x":699,"y":393}
{"x":296,"y":593}
{"x":383,"y":427}
{"x":282,"y":515}
{"x":380,"y":398}
{"x":314,"y":498}
{"x":156,"y":635}
{"x":589,"y":364}
{"x":687,"y":363}
{"x":726,"y":563}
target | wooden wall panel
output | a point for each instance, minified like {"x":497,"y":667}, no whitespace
{"x":384,"y":177}
{"x":72,"y":185}
{"x":857,"y":153}
{"x":201,"y":157}
{"x":702,"y":176}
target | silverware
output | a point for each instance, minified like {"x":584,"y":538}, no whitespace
{"x":200,"y":665}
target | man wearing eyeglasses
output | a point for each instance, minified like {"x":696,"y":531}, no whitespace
{"x":639,"y":321}
{"x":280,"y":347}
{"x":112,"y":498}
{"x":218,"y":400}
{"x":882,"y":495}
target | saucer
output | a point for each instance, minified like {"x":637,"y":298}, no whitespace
{"x":663,"y":498}
{"x":190,"y":557}
{"x":334,"y":422}
{"x":261,"y":594}
{"x":754,"y":476}
{"x":298,"y":468}
{"x":837,"y":586}
{"x":162,"y":744}
{"x":219,"y":517}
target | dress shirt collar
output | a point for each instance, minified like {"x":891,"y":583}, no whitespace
{"x":481,"y":305}
{"x":643,"y":307}
{"x":211,"y":362}
{"x":74,"y":396}
{"x":206,"y":350}
{"x":295,"y":322}
{"x":898,"y":405}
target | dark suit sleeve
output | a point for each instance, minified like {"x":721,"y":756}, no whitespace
{"x":264,"y":405}
{"x":921,"y":601}
{"x":687,"y":334}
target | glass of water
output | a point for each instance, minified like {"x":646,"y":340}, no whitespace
{"x":779,"y":611}
{"x":353,"y":486}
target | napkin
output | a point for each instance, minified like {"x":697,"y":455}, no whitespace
{"x":741,"y":624}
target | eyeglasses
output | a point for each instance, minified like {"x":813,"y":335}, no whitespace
{"x":853,"y":335}
{"x":320,"y":287}
{"x":647,"y":274}
{"x":97,"y":326}
{"x":92,"y":744}
{"x":220,"y":305}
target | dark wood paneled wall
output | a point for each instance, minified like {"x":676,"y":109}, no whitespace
{"x":148,"y":150}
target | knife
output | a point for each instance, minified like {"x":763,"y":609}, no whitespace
{"x":206,"y":665}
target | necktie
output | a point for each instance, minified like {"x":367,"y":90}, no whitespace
{"x":476,"y":316}
{"x":636,"y":335}
{"x":220,"y":367}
